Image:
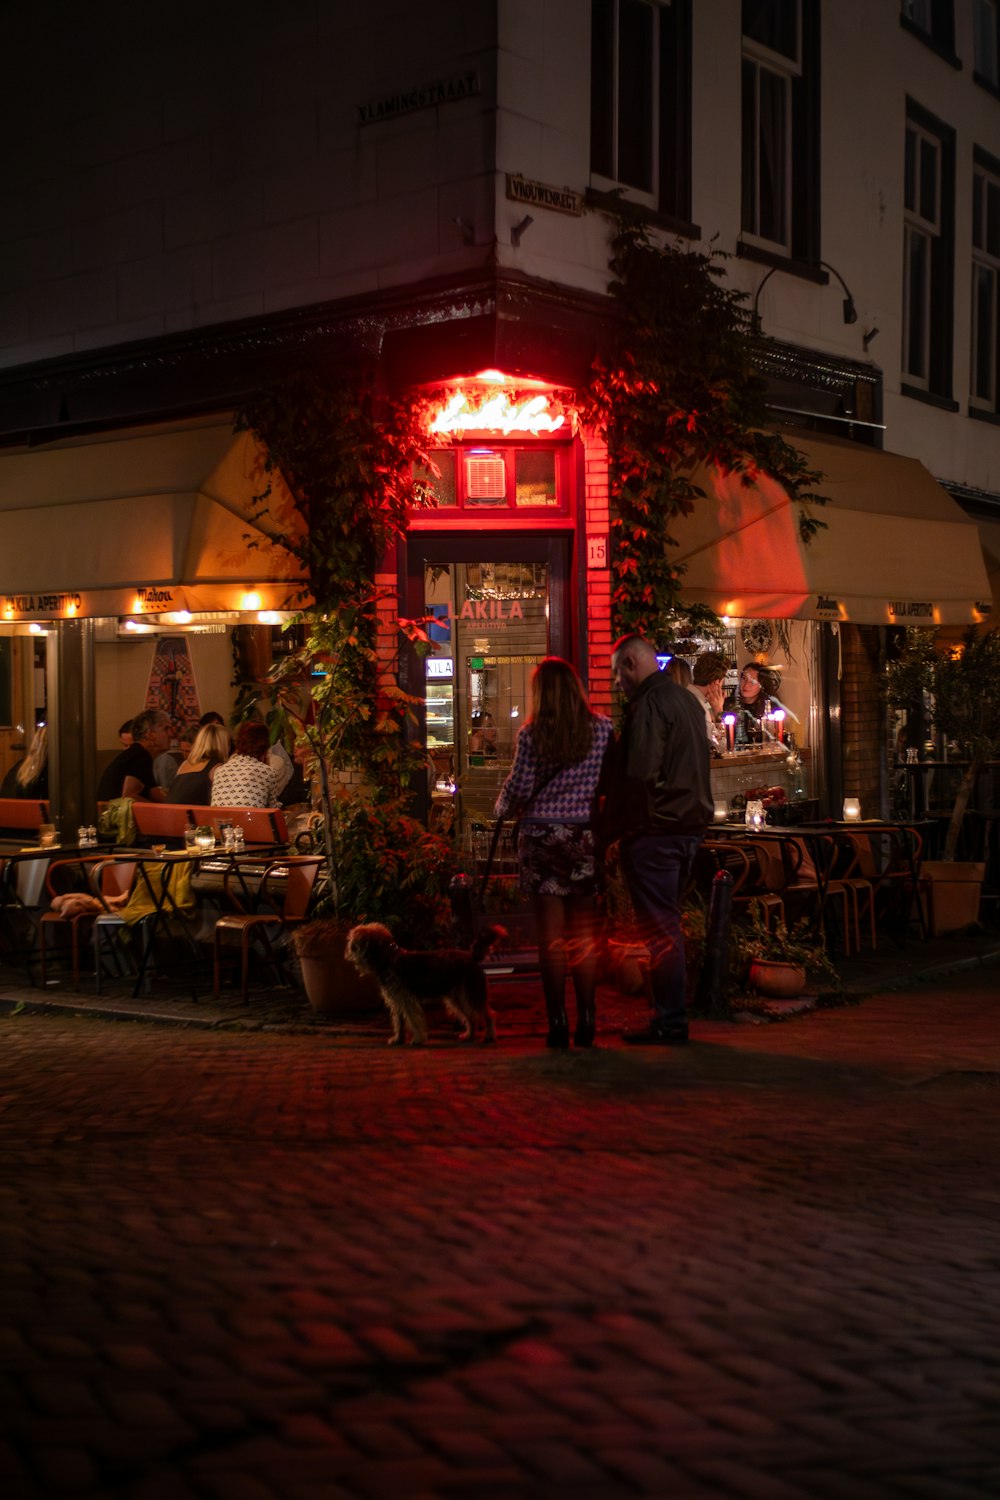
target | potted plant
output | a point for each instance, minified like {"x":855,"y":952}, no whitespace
{"x":347,"y":454}
{"x":775,"y":962}
{"x":961,"y":685}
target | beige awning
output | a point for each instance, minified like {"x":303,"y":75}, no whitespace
{"x":151,"y":520}
{"x":896,"y":549}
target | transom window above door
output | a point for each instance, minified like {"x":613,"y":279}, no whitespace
{"x":492,"y":477}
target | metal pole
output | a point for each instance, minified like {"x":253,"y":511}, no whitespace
{"x":712,"y":1000}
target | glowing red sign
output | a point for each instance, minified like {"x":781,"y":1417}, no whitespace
{"x":496,"y":412}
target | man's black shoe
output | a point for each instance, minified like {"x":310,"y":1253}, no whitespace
{"x":657,"y":1036}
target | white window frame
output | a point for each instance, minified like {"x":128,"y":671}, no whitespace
{"x":787,"y":69}
{"x":984,"y":259}
{"x":611,"y":184}
{"x":986,"y":57}
{"x":928,"y":230}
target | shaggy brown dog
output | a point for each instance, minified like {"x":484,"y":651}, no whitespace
{"x":406,"y":978}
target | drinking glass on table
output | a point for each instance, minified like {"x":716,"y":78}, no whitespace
{"x":47,"y":835}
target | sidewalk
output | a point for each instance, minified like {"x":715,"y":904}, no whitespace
{"x":517,"y":1001}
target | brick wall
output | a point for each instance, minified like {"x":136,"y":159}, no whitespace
{"x":597,"y":521}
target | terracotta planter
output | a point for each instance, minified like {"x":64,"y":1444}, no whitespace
{"x":950,"y":890}
{"x":332,"y":985}
{"x":778,"y":981}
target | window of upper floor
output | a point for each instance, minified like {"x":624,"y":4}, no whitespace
{"x":640,"y":102}
{"x":780,"y":128}
{"x":986,"y":43}
{"x":928,"y":255}
{"x":985,"y":359}
{"x":933,"y":21}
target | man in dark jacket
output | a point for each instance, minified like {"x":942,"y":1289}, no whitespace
{"x":659,"y":806}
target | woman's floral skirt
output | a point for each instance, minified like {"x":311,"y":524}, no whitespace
{"x":557,"y":859}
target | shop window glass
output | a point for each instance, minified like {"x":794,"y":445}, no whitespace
{"x":535,"y":479}
{"x":443,"y":483}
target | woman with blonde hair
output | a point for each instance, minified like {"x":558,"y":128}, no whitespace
{"x":193,"y":782}
{"x":552,"y":784}
{"x":29,"y":777}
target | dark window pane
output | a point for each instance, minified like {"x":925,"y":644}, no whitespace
{"x":535,"y":478}
{"x":992,"y":217}
{"x":773,"y":163}
{"x":928,"y":181}
{"x":910,"y":172}
{"x":918,"y":267}
{"x":773,"y":24}
{"x":635,"y":95}
{"x":442,"y":484}
{"x":749,"y":147}
{"x":985,"y":316}
{"x":602,"y":86}
{"x":978,"y":191}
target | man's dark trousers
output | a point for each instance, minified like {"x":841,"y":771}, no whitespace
{"x":657,"y":867}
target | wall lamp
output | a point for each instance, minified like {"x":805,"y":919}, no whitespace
{"x":850,"y":311}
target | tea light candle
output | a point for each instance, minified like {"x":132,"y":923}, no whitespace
{"x":852,"y":810}
{"x":730,"y":722}
{"x":721,"y":809}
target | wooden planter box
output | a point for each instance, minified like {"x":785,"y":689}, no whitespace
{"x":950,"y":890}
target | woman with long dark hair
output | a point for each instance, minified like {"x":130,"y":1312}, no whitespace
{"x":557,"y":763}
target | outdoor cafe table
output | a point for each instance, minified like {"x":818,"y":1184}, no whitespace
{"x":209,"y":870}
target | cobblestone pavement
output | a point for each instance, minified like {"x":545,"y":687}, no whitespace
{"x":256,"y":1264}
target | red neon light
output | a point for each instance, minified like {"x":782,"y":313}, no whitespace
{"x":496,"y":412}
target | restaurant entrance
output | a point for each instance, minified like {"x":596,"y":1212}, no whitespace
{"x":495,"y":607}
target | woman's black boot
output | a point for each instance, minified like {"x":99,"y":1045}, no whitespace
{"x":558,"y":1035}
{"x":586,"y":1024}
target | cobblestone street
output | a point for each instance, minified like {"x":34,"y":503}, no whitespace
{"x":262,"y":1264}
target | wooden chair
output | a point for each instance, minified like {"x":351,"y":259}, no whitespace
{"x":62,"y":877}
{"x":887,"y":858}
{"x":161,"y":822}
{"x":261,"y":825}
{"x":813,"y":883}
{"x":285,"y":891}
{"x":18,"y":814}
{"x":111,"y":877}
{"x":847,"y":870}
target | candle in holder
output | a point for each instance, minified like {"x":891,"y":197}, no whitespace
{"x":730,"y":722}
{"x":779,"y":718}
{"x":852,"y":810}
{"x":721,"y":809}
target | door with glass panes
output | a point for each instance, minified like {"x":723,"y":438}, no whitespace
{"x":494,"y":610}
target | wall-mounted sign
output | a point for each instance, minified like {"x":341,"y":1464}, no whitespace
{"x":439,"y":667}
{"x":597,"y":552}
{"x":541,"y":195}
{"x":827,"y":608}
{"x":497,"y":411}
{"x":425,"y":96}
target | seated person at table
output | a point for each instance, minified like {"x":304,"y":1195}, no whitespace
{"x":754,"y":701}
{"x":165,"y":766}
{"x":708,"y":687}
{"x":29,"y":776}
{"x":131,"y":772}
{"x":246,"y":779}
{"x":193,"y":783}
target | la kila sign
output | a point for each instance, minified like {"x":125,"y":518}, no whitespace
{"x":145,"y":599}
{"x":501,"y":412}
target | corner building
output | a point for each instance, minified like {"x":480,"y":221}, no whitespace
{"x":203,"y":199}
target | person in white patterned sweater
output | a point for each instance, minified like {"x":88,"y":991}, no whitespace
{"x":552,"y":784}
{"x":246,"y":779}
